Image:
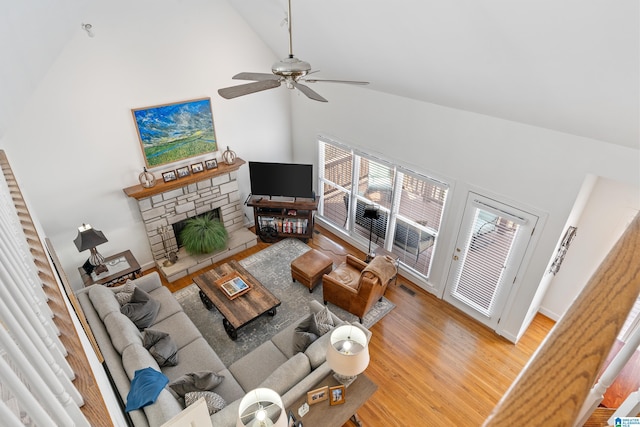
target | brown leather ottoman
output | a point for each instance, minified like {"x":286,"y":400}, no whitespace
{"x":309,"y":267}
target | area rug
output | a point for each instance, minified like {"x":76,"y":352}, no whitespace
{"x":271,"y":267}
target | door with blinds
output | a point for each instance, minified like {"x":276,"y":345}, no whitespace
{"x":491,"y":245}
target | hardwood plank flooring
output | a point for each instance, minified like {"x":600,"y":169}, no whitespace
{"x":433,"y":364}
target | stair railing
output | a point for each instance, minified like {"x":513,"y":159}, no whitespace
{"x":554,"y":384}
{"x":596,"y":394}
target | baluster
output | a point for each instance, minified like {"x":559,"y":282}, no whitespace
{"x":608,"y":376}
{"x":629,"y":408}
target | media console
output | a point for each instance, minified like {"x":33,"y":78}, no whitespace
{"x":276,"y":219}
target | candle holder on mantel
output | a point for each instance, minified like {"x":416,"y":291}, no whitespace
{"x":147,"y":179}
{"x":229,"y":156}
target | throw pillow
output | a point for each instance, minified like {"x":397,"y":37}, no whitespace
{"x":324,"y":321}
{"x":161,"y":346}
{"x":146,"y":386}
{"x":305,"y":333}
{"x":124,"y":296}
{"x":196,"y":381}
{"x":215,"y":402}
{"x":142,"y":309}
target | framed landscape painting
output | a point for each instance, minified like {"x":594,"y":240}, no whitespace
{"x":172,"y":132}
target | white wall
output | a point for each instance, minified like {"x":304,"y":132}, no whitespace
{"x":75,"y":146}
{"x":524,"y":164}
{"x":608,"y":212}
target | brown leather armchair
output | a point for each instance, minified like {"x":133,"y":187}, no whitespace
{"x":355,"y":286}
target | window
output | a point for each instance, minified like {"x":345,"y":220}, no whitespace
{"x":410,"y":205}
{"x":336,"y":172}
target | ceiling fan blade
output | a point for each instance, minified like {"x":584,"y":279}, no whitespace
{"x":309,"y":92}
{"x":246,"y":89}
{"x":351,"y":82}
{"x":255,"y":76}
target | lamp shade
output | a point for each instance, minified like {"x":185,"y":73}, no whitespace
{"x":88,"y":238}
{"x":261,"y":407}
{"x":348,"y":352}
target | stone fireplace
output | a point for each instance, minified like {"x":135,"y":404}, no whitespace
{"x":168,"y":203}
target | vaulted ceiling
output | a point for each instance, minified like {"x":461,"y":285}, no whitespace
{"x":567,"y":65}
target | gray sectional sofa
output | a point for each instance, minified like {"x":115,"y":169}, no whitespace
{"x":274,"y":364}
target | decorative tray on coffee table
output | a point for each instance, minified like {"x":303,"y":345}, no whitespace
{"x":233,"y":285}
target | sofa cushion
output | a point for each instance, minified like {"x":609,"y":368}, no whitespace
{"x":165,"y":408}
{"x":253,"y":368}
{"x":161,"y":346}
{"x":196,"y":381}
{"x":214,"y":401}
{"x":305,"y":333}
{"x":103,"y":300}
{"x":124,"y":293}
{"x":142,"y":309}
{"x":146,"y":386}
{"x":196,"y":356}
{"x":317,"y":351}
{"x":122,"y":331}
{"x":180,"y":327}
{"x":288,"y":374}
{"x":229,"y":389}
{"x":136,"y":357}
{"x":323,"y":321}
{"x":168,"y":303}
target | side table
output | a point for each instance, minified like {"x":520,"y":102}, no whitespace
{"x":323,"y":414}
{"x":120,"y":267}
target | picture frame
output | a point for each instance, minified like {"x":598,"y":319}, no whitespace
{"x":211,"y":164}
{"x":183,"y":172}
{"x":291,"y":420}
{"x":169,"y":133}
{"x":337,"y":395}
{"x":197,"y":167}
{"x":318,"y":395}
{"x":169,"y":176}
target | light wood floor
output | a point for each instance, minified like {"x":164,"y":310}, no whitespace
{"x":434,"y":365}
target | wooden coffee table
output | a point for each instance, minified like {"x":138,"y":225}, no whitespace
{"x":325,"y":415}
{"x":239,"y":311}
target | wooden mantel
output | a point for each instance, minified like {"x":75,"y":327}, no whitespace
{"x":139,"y":192}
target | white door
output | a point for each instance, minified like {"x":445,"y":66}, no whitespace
{"x":491,"y":244}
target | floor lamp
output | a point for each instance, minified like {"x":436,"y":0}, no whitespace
{"x":371,"y":213}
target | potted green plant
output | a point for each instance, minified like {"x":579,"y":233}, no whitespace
{"x":203,"y":235}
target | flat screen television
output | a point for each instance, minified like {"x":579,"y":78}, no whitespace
{"x":281,"y":179}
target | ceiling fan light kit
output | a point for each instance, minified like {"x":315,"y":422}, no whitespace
{"x":290,"y":70}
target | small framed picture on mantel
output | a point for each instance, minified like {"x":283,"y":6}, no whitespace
{"x":211,"y":164}
{"x":197,"y":167}
{"x":169,"y":176}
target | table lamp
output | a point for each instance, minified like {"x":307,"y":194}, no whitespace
{"x":348,"y":353}
{"x":89,"y":238}
{"x":261,"y":407}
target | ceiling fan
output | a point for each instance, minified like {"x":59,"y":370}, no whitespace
{"x":291,"y":71}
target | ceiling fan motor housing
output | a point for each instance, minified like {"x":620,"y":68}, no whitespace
{"x":291,"y":67}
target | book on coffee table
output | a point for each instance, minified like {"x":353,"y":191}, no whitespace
{"x":233,"y":285}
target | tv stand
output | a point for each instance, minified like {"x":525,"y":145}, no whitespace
{"x":275,"y":220}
